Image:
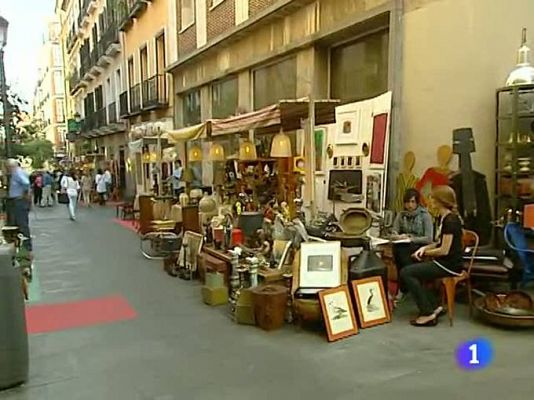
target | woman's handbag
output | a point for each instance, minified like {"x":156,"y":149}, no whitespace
{"x":63,"y":198}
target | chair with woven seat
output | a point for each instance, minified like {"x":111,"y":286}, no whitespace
{"x":470,"y":240}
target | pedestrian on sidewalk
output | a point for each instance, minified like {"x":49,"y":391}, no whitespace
{"x":18,"y":201}
{"x":37,"y":189}
{"x":48,"y":181}
{"x":71,"y":186}
{"x":101,"y":187}
{"x":87,"y":188}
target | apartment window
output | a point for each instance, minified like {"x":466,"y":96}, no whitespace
{"x":191,"y":108}
{"x":58,"y":82}
{"x":60,"y":115}
{"x":241,"y":11}
{"x":275,"y":82}
{"x":56,"y":54}
{"x":224,"y":98}
{"x":131,"y":77}
{"x":144,"y":63}
{"x":359,"y":70}
{"x":160,"y":54}
{"x":118,"y":81}
{"x":215,"y":3}
{"x":188,"y":13}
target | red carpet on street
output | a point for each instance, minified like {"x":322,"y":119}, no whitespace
{"x":130,"y":225}
{"x":43,"y":318}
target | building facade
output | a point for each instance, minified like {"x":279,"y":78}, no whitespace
{"x":49,"y":96}
{"x":93,"y":61}
{"x":240,"y":55}
{"x":145,"y":100}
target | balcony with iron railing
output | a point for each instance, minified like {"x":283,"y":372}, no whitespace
{"x":88,"y":124}
{"x":135,"y":99}
{"x":112,"y":113}
{"x":74,"y":82}
{"x":109,"y":43}
{"x":124,"y":109}
{"x":155,"y":92}
{"x":86,"y":8}
{"x":101,"y":118}
{"x":85,"y":60}
{"x":128,"y":10}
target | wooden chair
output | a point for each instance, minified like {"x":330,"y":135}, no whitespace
{"x":469,"y":240}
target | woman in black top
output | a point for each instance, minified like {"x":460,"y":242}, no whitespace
{"x":446,"y":258}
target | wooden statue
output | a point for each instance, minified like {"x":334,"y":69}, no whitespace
{"x":436,"y":176}
{"x":471,"y":188}
{"x":406,"y":180}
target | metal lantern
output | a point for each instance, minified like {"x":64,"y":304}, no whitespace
{"x":523,"y":74}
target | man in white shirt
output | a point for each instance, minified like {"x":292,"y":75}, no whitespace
{"x":178,"y":183}
{"x":108,"y":181}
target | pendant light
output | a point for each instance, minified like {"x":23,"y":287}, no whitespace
{"x":281,"y":146}
{"x":247,"y":151}
{"x":216,"y":152}
{"x":195,"y":154}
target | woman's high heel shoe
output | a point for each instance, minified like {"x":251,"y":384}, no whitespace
{"x":433,"y":322}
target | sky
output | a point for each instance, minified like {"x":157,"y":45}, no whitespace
{"x":27,"y":21}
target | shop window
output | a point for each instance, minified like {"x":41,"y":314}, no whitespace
{"x":224,"y":98}
{"x":188,"y":13}
{"x":359,"y":70}
{"x":275,"y":82}
{"x":191,"y":108}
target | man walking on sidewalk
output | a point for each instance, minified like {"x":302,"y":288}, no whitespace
{"x":48,"y":200}
{"x":18,"y":202}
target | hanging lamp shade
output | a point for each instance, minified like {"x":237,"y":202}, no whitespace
{"x":216,"y":152}
{"x":247,"y":151}
{"x":195,"y":154}
{"x":188,"y":175}
{"x":281,"y":146}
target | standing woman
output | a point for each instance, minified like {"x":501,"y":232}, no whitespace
{"x":71,"y":186}
{"x":445,"y":258}
{"x":87,"y":187}
{"x":101,"y":187}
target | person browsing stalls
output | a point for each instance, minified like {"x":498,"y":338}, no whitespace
{"x":437,"y":260}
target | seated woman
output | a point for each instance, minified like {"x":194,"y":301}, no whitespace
{"x":414,"y":227}
{"x":445,"y":258}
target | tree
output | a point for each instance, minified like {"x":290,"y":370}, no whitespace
{"x":26,"y":134}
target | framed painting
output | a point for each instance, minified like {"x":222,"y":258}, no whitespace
{"x":191,"y":246}
{"x":379,"y":140}
{"x":320,"y":146}
{"x":320,"y":265}
{"x":371,"y":302}
{"x":347,"y":127}
{"x":338,"y":313}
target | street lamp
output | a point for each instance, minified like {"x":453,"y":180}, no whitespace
{"x":7,"y":107}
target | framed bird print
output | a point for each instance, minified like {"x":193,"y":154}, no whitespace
{"x":338,"y":313}
{"x":371,"y":302}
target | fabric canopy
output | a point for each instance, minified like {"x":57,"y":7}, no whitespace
{"x":286,"y":114}
{"x":189,"y":133}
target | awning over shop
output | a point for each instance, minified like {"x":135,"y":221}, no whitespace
{"x":286,"y":114}
{"x":189,"y":133}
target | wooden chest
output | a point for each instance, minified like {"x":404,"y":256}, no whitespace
{"x":208,"y":263}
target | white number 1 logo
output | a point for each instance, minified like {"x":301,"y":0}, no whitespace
{"x":474,"y":354}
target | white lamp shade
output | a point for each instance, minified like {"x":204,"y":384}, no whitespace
{"x":216,"y":152}
{"x":195,"y":154}
{"x":281,"y":146}
{"x":247,"y":151}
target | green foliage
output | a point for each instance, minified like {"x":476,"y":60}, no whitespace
{"x":38,"y":149}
